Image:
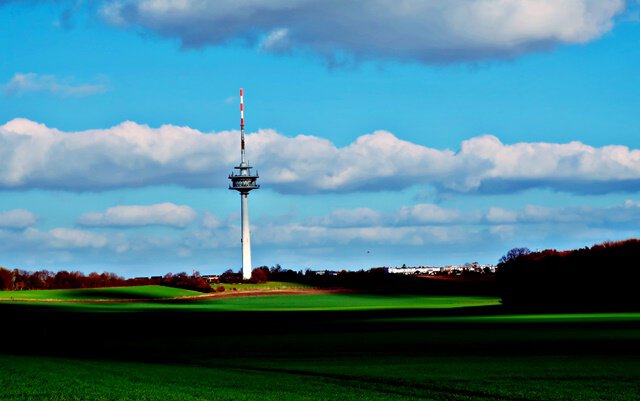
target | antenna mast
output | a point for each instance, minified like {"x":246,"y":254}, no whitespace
{"x":244,"y":181}
{"x":242,"y":159}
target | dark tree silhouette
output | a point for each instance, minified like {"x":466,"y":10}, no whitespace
{"x":605,"y":276}
{"x":260,"y":275}
{"x":17,"y":279}
{"x":230,"y":277}
{"x":6,"y":279}
{"x":513,"y":254}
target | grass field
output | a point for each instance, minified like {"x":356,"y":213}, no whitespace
{"x":111,"y":293}
{"x":303,"y":302}
{"x":442,"y":378}
{"x":315,"y":302}
{"x":316,"y":347}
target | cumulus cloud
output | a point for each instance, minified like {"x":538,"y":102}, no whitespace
{"x":133,"y":155}
{"x":499,"y":215}
{"x":432,"y":225}
{"x":67,"y":243}
{"x":63,"y":238}
{"x":163,"y":214}
{"x":572,"y":166}
{"x":427,"y":213}
{"x":425,"y":225}
{"x":340,"y":227}
{"x":428,"y":31}
{"x":210,"y":221}
{"x":616,"y":216}
{"x":295,"y":235}
{"x":24,"y":83}
{"x":407,"y":232}
{"x":359,"y":217}
{"x":421,"y":214}
{"x":128,"y":155}
{"x":17,"y":218}
{"x":432,"y":215}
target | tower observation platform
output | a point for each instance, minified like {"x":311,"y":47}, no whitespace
{"x":244,"y":181}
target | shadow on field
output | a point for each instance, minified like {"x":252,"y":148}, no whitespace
{"x":386,"y":385}
{"x":192,"y":336}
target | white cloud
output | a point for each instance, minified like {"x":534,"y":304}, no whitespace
{"x":17,"y":218}
{"x":165,"y":214}
{"x":429,"y":31}
{"x":276,"y":41}
{"x":64,"y":238}
{"x":133,"y":155}
{"x":128,"y":155}
{"x":426,"y":213}
{"x":572,"y":166}
{"x":499,"y":215}
{"x":302,"y":235}
{"x":23,"y":83}
{"x":359,"y":217}
{"x":429,"y":223}
{"x":418,"y":232}
{"x":630,"y":203}
{"x":73,"y":238}
{"x":435,"y":228}
{"x":625,"y":215}
{"x":210,"y":221}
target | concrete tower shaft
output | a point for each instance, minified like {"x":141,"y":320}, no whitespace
{"x":244,"y":181}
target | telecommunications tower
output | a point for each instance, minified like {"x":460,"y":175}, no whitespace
{"x":244,"y":181}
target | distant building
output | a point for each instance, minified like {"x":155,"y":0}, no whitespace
{"x":414,"y":270}
{"x":453,"y":270}
{"x":212,"y":278}
{"x":324,"y":272}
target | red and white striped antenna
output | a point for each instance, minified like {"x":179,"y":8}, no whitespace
{"x":242,"y":125}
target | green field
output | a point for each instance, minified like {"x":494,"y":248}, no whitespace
{"x":315,"y":347}
{"x":152,"y":297}
{"x":346,"y":302}
{"x":110,"y":293}
{"x":442,"y":378}
{"x":315,"y":302}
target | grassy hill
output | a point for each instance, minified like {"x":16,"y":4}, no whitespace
{"x":110,"y":293}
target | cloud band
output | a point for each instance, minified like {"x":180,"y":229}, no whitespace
{"x":133,"y":155}
{"x":427,"y":31}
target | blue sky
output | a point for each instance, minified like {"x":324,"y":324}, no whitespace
{"x":418,"y":133}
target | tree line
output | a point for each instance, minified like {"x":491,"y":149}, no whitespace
{"x":603,"y":276}
{"x":377,"y":280}
{"x":18,"y":279}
